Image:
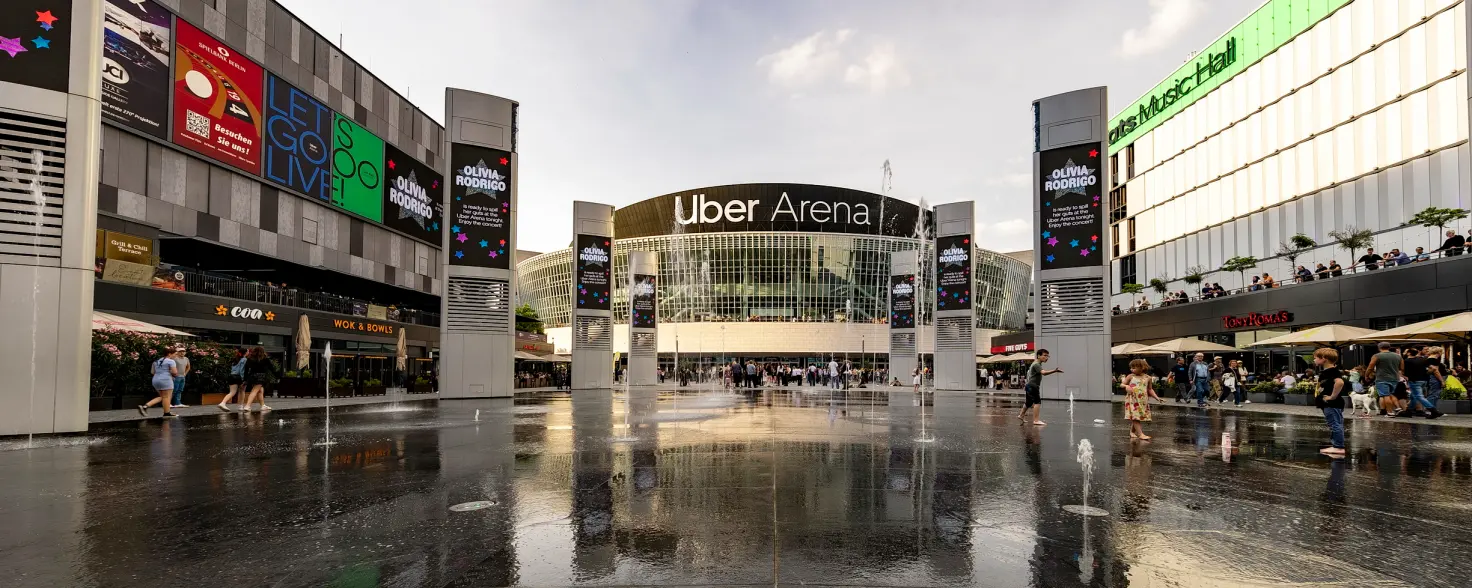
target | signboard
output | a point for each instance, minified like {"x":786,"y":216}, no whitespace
{"x":127,"y":272}
{"x":377,"y":312}
{"x":35,"y":42}
{"x":246,"y":313}
{"x":593,"y":259}
{"x":136,"y":41}
{"x":480,"y":207}
{"x":1254,"y":320}
{"x":362,"y":326}
{"x":1013,"y":348}
{"x":298,"y":128}
{"x":1070,"y":216}
{"x":953,"y":272}
{"x":115,"y":245}
{"x":902,"y":302}
{"x":357,"y":169}
{"x":643,"y":304}
{"x":217,"y":98}
{"x":769,"y":207}
{"x":411,"y":196}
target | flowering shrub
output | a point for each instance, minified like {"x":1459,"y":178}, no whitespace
{"x":122,"y":363}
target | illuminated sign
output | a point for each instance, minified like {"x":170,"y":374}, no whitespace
{"x":643,"y":305}
{"x":902,"y":302}
{"x":1206,"y":67}
{"x":1257,"y":320}
{"x":480,"y":207}
{"x":245,"y":312}
{"x":594,"y":271}
{"x":1070,"y":218}
{"x":364,"y":326}
{"x":1013,"y":348}
{"x":953,"y":272}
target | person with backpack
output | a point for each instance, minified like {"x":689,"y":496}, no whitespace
{"x":236,"y":380}
{"x":164,"y":370}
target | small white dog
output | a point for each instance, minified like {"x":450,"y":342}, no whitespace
{"x":1363,"y":401}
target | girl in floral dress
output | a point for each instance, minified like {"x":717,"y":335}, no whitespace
{"x":1137,"y":394}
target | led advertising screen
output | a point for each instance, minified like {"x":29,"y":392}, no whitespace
{"x":357,"y":169}
{"x":411,"y":196}
{"x":593,"y":259}
{"x":480,"y":206}
{"x":1071,"y":217}
{"x":953,"y":273}
{"x":217,"y":98}
{"x":643,"y":303}
{"x":36,"y":41}
{"x":136,"y":40}
{"x":902,"y":302}
{"x":298,"y":129}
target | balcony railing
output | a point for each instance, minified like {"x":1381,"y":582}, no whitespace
{"x":268,"y":293}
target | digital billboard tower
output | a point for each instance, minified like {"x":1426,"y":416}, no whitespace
{"x":592,"y":296}
{"x":643,"y":284}
{"x":955,"y":321}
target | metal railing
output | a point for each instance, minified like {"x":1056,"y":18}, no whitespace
{"x":268,"y":293}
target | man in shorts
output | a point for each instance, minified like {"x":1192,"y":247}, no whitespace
{"x":1385,"y":367}
{"x":1033,"y":389}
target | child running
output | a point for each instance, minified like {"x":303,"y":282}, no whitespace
{"x":1138,"y":390}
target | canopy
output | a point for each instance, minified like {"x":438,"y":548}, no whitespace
{"x":557,"y":358}
{"x":994,"y":359}
{"x":1135,"y":349}
{"x":1190,"y":345}
{"x":102,"y":321}
{"x":529,"y":356}
{"x":1322,"y":335}
{"x":1456,"y":327}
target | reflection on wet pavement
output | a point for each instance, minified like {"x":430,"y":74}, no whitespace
{"x":768,"y":487}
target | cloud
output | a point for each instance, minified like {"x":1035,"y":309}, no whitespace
{"x":1168,"y":19}
{"x":879,"y":71}
{"x":808,"y":61}
{"x":1017,"y":180}
{"x":1006,"y":228}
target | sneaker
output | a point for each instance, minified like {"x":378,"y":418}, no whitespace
{"x":265,"y":408}
{"x":170,"y":415}
{"x":1433,"y":414}
{"x":143,"y":409}
{"x":1404,"y":414}
{"x":181,"y":406}
{"x":1247,"y":402}
{"x":1238,"y":405}
{"x":223,"y":407}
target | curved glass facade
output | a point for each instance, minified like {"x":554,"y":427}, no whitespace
{"x":772,"y":276}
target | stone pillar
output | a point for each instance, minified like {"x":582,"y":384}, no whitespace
{"x":51,"y":142}
{"x":643,"y":318}
{"x":904,"y":302}
{"x":955,"y":321}
{"x":1071,"y":247}
{"x":477,"y":310}
{"x":592,"y":296}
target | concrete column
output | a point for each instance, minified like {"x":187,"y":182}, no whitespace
{"x":53,"y":132}
{"x":1071,"y":247}
{"x":592,"y":296}
{"x":955,"y":322}
{"x":904,"y":304}
{"x":478,"y":332}
{"x":643,"y":318}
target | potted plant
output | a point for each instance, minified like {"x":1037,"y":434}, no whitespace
{"x":1300,"y":394}
{"x":1264,"y":392}
{"x":1454,"y":402}
{"x":421,"y":385}
{"x":299,"y":384}
{"x":373,"y":387}
{"x":341,"y":387}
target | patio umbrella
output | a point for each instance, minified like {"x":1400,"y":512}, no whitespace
{"x":1135,"y":349}
{"x":1457,"y":327}
{"x":102,"y":321}
{"x":303,"y":342}
{"x":1190,"y":345}
{"x":1325,"y":335}
{"x":401,"y":353}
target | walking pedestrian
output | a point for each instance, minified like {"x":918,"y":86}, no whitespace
{"x":1330,"y":398}
{"x":1418,"y":376}
{"x":165,"y":369}
{"x":236,"y":380}
{"x":1385,"y":368}
{"x":1229,"y":382}
{"x":1033,"y":390}
{"x":258,"y":372}
{"x":1217,"y":370}
{"x":181,"y":359}
{"x":1179,"y":378}
{"x":1437,"y":369}
{"x":1139,"y":388}
{"x":1200,"y":379}
{"x":915,"y":380}
{"x":833,"y":373}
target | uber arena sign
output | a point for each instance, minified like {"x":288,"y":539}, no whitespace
{"x":706,"y":211}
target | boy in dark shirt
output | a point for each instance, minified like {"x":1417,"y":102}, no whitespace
{"x":1330,"y":398}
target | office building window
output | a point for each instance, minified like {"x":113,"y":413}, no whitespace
{"x":1128,"y":273}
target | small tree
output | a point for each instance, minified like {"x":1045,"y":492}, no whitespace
{"x":1132,"y":289}
{"x":1295,"y":247}
{"x":1354,"y":240}
{"x":1437,"y":217}
{"x":1240,"y":264}
{"x":1195,"y":275}
{"x":1159,"y":286}
{"x":533,"y":324}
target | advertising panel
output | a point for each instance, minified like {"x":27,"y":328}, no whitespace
{"x":953,"y":272}
{"x":1071,"y":217}
{"x":902,"y":302}
{"x":136,"y":40}
{"x":770,"y":207}
{"x":643,"y":304}
{"x":357,"y":169}
{"x":36,"y":40}
{"x":297,"y":131}
{"x":480,"y":207}
{"x":594,"y":271}
{"x":411,"y":196}
{"x":217,"y":100}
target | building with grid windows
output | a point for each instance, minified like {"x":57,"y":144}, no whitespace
{"x":1310,"y":117}
{"x":778,"y":271}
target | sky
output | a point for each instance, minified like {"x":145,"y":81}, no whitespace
{"x":624,"y":100}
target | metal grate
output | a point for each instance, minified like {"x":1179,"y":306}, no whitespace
{"x":644,"y":345}
{"x":32,"y":170}
{"x":477,"y":305}
{"x":593,"y":333}
{"x":954,"y":333}
{"x":902,"y":344}
{"x":1071,"y":307}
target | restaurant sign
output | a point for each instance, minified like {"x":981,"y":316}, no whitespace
{"x":245,"y":312}
{"x":1013,"y":348}
{"x":364,"y":326}
{"x":1256,"y":319}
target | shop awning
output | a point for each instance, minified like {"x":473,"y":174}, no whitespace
{"x":528,"y":356}
{"x":557,"y":358}
{"x":102,"y":321}
{"x":1321,"y":335}
{"x":1191,"y":345}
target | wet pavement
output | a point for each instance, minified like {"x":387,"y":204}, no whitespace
{"x":774,"y":487}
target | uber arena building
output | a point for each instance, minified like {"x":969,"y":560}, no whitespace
{"x":772,"y":272}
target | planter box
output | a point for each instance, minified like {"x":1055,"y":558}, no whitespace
{"x":421,"y":388}
{"x":373,"y":391}
{"x":342,"y":392}
{"x":132,"y":401}
{"x":213,"y":398}
{"x":104,"y":403}
{"x":300,"y":387}
{"x":1296,"y":399}
{"x":1262,"y":398}
{"x":1454,"y":406}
